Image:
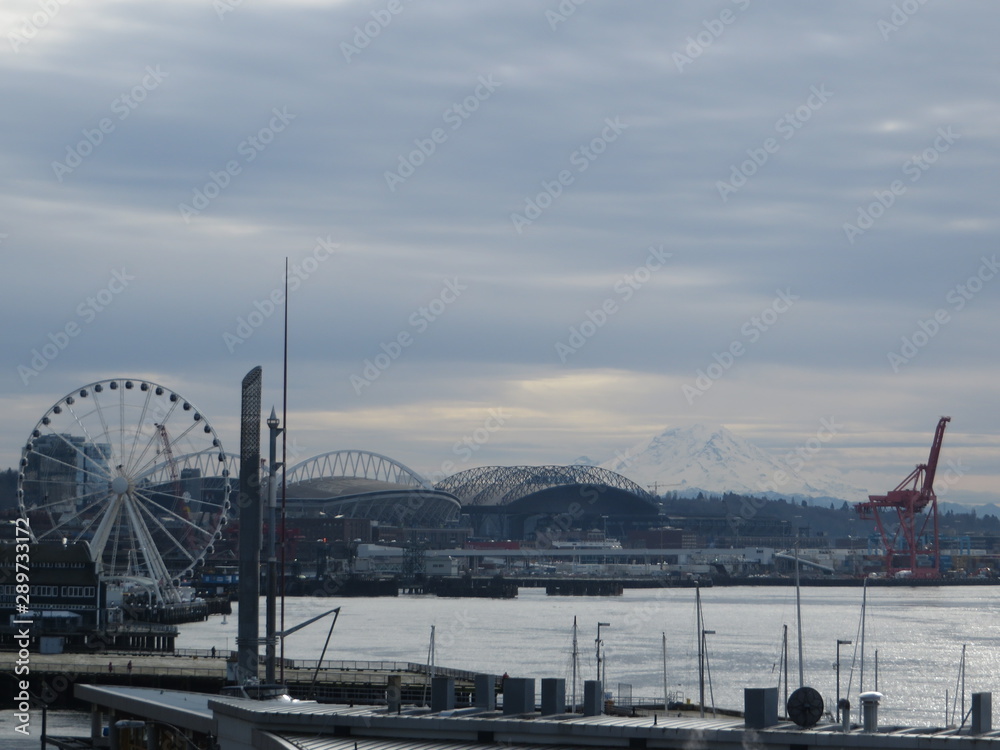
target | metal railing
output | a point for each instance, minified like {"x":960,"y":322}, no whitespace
{"x":358,"y":673}
{"x":332,"y":664}
{"x":121,"y":668}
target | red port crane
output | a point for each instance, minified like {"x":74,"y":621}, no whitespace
{"x":910,"y":545}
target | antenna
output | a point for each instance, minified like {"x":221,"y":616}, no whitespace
{"x":284,"y":465}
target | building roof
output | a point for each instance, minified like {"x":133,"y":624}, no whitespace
{"x":322,"y":488}
{"x":307,"y":725}
{"x":399,"y":507}
{"x":182,"y":709}
{"x":49,"y":553}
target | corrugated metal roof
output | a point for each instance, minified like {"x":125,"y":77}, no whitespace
{"x":312,"y":742}
{"x":314,"y":726}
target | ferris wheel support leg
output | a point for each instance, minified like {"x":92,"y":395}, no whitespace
{"x":165,"y":589}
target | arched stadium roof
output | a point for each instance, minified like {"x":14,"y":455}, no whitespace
{"x":504,"y":485}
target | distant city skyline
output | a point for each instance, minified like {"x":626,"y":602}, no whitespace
{"x":516,"y":233}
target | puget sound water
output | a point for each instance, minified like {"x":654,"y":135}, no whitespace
{"x":918,"y":633}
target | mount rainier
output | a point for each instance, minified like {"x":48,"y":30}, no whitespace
{"x":712,"y":459}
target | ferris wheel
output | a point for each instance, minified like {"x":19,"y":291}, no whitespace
{"x":134,"y":470}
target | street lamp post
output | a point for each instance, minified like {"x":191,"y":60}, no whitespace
{"x":598,"y":642}
{"x":839,"y":644}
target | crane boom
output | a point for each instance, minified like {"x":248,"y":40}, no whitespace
{"x":932,"y":460}
{"x":161,"y":429}
{"x":180,"y":506}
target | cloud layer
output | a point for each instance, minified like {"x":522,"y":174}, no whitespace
{"x":604,"y":219}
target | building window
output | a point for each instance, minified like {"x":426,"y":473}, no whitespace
{"x":77,"y":592}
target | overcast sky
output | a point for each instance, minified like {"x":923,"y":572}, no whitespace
{"x":548,"y":229}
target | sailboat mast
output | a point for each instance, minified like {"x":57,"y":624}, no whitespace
{"x":284,"y":464}
{"x":430,"y":665}
{"x":665,"y":692}
{"x":784,"y":659}
{"x":864,"y":603}
{"x":798,"y":609}
{"x":576,"y":657}
{"x":959,"y":690}
{"x":701,"y":652}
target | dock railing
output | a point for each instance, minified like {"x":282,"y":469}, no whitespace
{"x":343,"y":665}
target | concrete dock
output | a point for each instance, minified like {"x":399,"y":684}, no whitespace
{"x":53,"y":675}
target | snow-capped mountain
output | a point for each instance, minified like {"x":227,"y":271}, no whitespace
{"x":713,"y":459}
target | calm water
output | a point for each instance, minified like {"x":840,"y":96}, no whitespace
{"x":918,"y":632}
{"x":58,"y":723}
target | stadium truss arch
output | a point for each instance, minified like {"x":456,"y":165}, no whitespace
{"x":361,"y":484}
{"x":357,"y":464}
{"x":504,"y":485}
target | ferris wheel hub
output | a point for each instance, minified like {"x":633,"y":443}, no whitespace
{"x":119,"y":485}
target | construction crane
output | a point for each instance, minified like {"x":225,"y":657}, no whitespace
{"x":168,"y":452}
{"x":180,"y":504}
{"x":914,"y":544}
